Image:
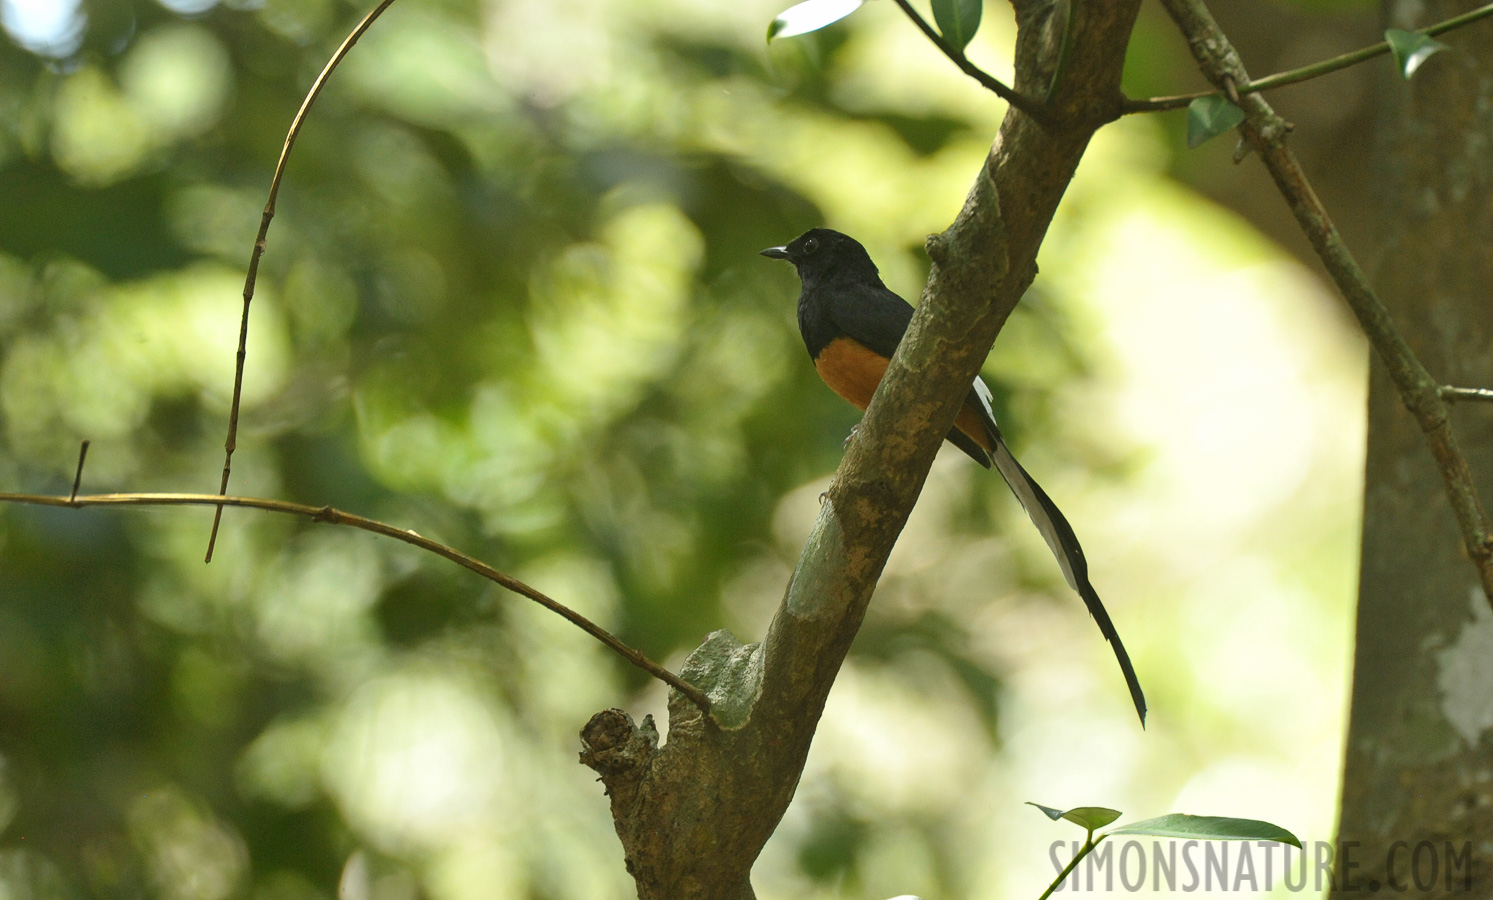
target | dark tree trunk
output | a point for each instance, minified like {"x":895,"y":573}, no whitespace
{"x":1419,"y":754}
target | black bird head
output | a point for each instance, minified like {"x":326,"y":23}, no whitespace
{"x":822,"y":255}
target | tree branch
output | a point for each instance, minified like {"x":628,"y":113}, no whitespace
{"x":333,"y":516}
{"x":693,"y":814}
{"x":231,"y":443}
{"x":1293,"y":76}
{"x":1421,"y":394}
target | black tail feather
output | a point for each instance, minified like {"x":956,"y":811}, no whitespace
{"x":1107,"y":628}
{"x":1069,"y":554}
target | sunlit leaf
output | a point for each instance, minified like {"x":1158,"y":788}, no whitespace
{"x":811,"y":15}
{"x":1210,"y":116}
{"x":1086,"y":817}
{"x":1209,"y":828}
{"x":958,"y":20}
{"x":1410,"y":49}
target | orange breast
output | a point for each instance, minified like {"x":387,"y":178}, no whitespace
{"x":851,"y":370}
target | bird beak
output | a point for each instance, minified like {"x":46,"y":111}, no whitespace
{"x":778,"y":253}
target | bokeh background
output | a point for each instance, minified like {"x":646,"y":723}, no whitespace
{"x":512,"y":301}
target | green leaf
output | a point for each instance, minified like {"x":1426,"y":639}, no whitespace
{"x":1410,"y":49}
{"x":1210,"y":116}
{"x":958,"y":20}
{"x":1086,"y":817}
{"x":1209,"y":828}
{"x":811,"y":15}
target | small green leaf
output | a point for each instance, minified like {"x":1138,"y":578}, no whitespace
{"x":1086,"y":817}
{"x":1209,"y":828}
{"x":1210,"y":116}
{"x":811,"y":15}
{"x":958,"y":20}
{"x":1410,"y":49}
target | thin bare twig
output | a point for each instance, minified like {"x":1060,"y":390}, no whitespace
{"x":989,"y":82}
{"x":259,"y":244}
{"x":1453,"y":394}
{"x":1293,"y":76}
{"x":1420,"y":393}
{"x":333,"y":516}
{"x":78,"y":476}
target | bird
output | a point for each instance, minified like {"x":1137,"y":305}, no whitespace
{"x":851,"y":323}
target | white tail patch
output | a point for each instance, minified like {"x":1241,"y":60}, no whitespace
{"x":1026,"y":491}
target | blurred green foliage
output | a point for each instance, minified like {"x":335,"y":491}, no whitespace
{"x":517,"y":316}
{"x":511,"y":300}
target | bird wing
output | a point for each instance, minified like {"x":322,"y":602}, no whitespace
{"x":876,"y":317}
{"x":871,"y":314}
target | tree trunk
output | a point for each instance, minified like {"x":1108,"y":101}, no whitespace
{"x":1419,"y":754}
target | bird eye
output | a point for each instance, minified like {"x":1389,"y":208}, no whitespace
{"x":811,"y":245}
